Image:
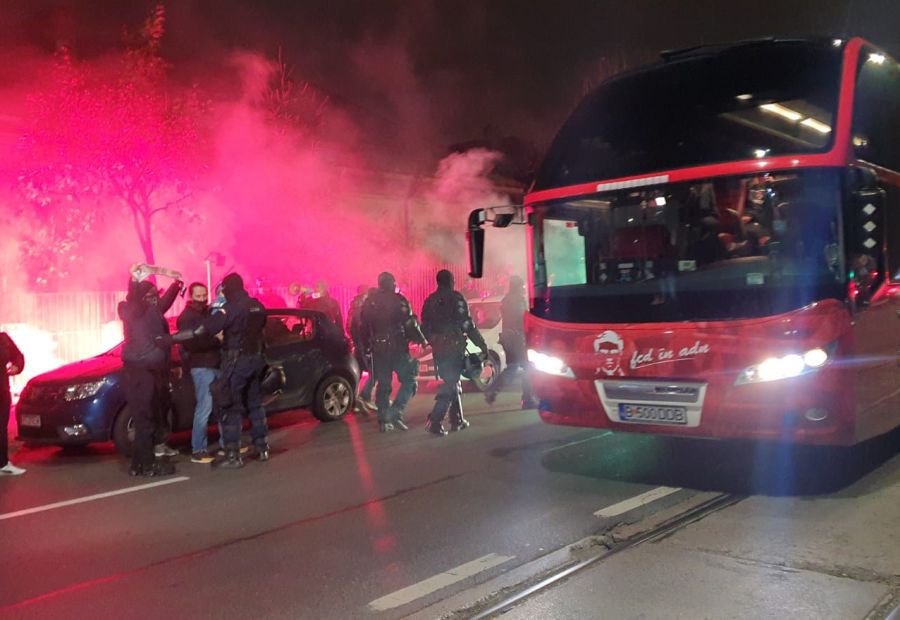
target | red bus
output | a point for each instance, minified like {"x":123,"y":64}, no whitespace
{"x":714,"y":247}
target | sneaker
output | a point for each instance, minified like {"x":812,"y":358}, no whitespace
{"x":232,"y":460}
{"x":386,"y":427}
{"x":164,"y":450}
{"x":11,"y":470}
{"x":368,"y":403}
{"x":399,"y":423}
{"x":201,"y":457}
{"x":530,"y":404}
{"x":459,"y":426}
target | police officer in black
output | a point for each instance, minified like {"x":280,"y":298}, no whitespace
{"x":388,"y":326}
{"x":448,"y":327}
{"x":513,"y":309}
{"x":145,"y":360}
{"x":242,"y":324}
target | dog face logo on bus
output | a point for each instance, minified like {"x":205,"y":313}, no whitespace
{"x":609,"y":348}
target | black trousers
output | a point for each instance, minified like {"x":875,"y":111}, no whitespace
{"x":147,"y":396}
{"x":386,"y":363}
{"x":246,"y":390}
{"x":5,"y":404}
{"x":448,"y":397}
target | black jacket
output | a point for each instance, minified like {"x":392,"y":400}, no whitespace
{"x":143,"y":323}
{"x":513,"y":309}
{"x":354,"y":317}
{"x":328,"y":306}
{"x":9,"y":353}
{"x":202,"y":351}
{"x":388,"y":323}
{"x":242,"y":322}
{"x":447,"y":324}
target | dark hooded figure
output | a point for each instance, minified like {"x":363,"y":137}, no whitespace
{"x":448,"y":327}
{"x":388,"y":326}
{"x":513,"y":309}
{"x":146,"y":360}
{"x":322,"y":301}
{"x":243,"y":363}
{"x":12,"y":362}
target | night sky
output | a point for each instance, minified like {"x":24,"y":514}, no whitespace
{"x":431,"y":73}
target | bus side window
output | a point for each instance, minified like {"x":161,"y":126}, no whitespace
{"x":876,"y":117}
{"x":876,"y":135}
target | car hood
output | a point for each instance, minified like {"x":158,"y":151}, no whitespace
{"x":85,"y":370}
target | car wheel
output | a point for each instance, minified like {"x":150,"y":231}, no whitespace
{"x":489,"y":372}
{"x":334,"y":398}
{"x":123,"y":432}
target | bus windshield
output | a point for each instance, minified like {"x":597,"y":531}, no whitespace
{"x":746,"y":102}
{"x":715,"y":249}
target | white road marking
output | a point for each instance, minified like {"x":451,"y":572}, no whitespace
{"x":635,"y":502}
{"x":90,"y":498}
{"x":441,"y":580}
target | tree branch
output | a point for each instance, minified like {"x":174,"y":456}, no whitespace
{"x":171,"y":203}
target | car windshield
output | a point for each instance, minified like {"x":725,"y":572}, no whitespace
{"x":746,"y":102}
{"x":732,"y":247}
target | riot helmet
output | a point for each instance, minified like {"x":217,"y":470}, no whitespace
{"x":444,"y":279}
{"x":387,"y":282}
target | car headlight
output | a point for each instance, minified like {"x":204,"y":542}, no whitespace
{"x":549,"y":364}
{"x":83,"y":390}
{"x":786,"y":367}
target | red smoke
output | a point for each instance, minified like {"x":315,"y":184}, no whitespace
{"x":302,"y":201}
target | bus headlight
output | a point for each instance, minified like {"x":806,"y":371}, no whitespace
{"x":549,"y":364}
{"x":786,"y":367}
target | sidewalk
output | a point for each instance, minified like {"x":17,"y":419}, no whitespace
{"x":836,"y":556}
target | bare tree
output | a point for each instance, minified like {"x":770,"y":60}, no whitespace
{"x":101,"y":137}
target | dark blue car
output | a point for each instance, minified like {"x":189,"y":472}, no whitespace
{"x":310,"y":365}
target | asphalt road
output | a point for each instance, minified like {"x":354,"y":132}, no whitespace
{"x":344,"y":521}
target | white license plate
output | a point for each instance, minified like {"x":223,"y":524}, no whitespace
{"x":652,"y":414}
{"x":30,"y":420}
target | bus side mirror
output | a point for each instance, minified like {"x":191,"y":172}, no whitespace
{"x":475,"y":242}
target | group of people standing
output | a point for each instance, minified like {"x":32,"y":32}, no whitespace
{"x":382,"y":327}
{"x":221,"y":344}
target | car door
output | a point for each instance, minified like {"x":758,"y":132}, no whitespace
{"x":291,"y":345}
{"x":182,"y":397}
